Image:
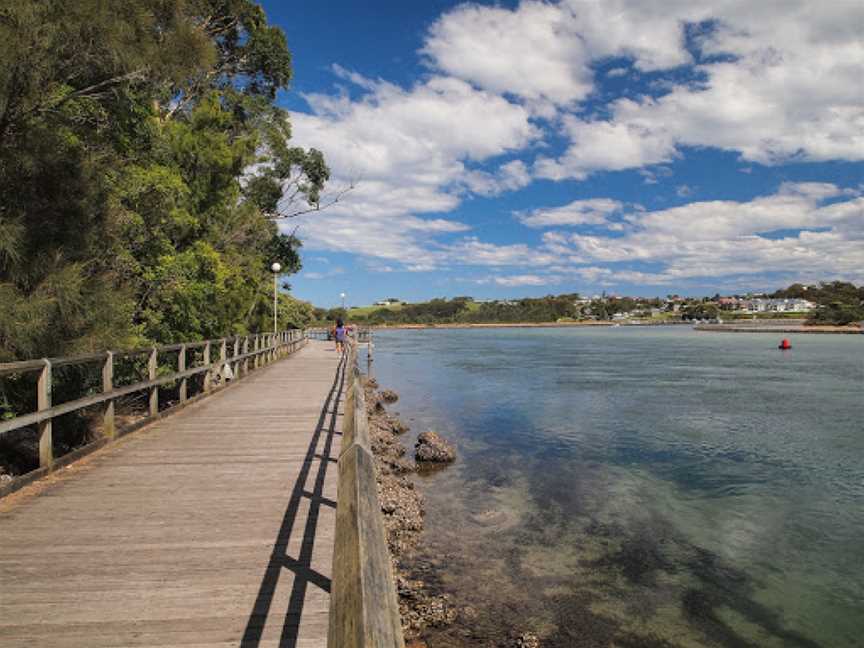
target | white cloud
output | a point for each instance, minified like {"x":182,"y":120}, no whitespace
{"x":722,"y":238}
{"x":792,"y":90}
{"x":473,"y":251}
{"x":406,"y":150}
{"x":607,"y":146}
{"x":512,"y":281}
{"x":334,"y":272}
{"x":509,"y":177}
{"x":782,"y":82}
{"x":533,"y":52}
{"x":593,"y":211}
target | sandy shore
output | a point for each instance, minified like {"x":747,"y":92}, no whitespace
{"x":522,"y":325}
{"x":729,"y":328}
{"x":739,"y":328}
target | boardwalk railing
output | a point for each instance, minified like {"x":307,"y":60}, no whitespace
{"x":362,"y":334}
{"x":240,"y":354}
{"x":364,"y":610}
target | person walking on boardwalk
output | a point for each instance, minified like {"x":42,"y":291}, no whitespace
{"x":340,"y":333}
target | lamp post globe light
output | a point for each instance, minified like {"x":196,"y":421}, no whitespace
{"x":276,"y":268}
{"x":343,"y":295}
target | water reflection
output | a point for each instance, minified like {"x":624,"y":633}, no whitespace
{"x":641,"y":488}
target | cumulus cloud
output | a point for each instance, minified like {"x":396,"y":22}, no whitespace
{"x":779,"y":84}
{"x":797,"y":231}
{"x":533,"y":52}
{"x":407,"y":152}
{"x":594,"y":211}
{"x":512,"y":281}
{"x":772,"y":82}
{"x":509,"y":177}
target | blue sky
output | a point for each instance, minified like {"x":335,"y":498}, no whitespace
{"x":510,"y":149}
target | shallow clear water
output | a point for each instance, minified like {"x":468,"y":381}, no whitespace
{"x":642,"y":487}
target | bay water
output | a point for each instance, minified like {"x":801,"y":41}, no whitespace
{"x":628,"y":486}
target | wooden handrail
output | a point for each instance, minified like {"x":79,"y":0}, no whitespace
{"x":283,"y":343}
{"x":364,"y":609}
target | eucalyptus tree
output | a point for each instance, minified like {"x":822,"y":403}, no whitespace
{"x":143,"y":159}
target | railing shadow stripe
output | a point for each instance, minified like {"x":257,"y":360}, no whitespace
{"x":301,"y":567}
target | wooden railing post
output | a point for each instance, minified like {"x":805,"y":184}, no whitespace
{"x":236,"y":364}
{"x":246,"y":360}
{"x":256,"y":361}
{"x":181,"y":366}
{"x":151,"y":375}
{"x":207,"y":377}
{"x":369,"y":347}
{"x":223,"y":356}
{"x":43,"y":402}
{"x":108,"y":427}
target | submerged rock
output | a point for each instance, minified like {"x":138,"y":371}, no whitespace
{"x":388,"y":395}
{"x":524,"y":640}
{"x":432,"y":447}
{"x":402,"y":509}
{"x":426,"y":612}
{"x":397,"y":426}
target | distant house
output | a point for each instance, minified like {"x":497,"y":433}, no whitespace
{"x":766,"y":305}
{"x":387,"y":302}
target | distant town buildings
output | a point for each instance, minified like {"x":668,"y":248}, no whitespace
{"x":766,"y":305}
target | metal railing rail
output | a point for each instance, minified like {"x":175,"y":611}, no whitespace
{"x":364,"y":609}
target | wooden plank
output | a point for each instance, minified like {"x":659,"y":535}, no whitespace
{"x":169,"y":536}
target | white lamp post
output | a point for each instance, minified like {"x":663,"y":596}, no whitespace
{"x":342,"y":295}
{"x":276,"y":267}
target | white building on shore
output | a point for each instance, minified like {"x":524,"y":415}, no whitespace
{"x":770,"y":305}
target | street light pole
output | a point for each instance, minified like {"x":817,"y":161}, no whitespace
{"x":276,"y":267}
{"x":342,"y":295}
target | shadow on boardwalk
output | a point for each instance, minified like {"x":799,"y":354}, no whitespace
{"x":301,"y":566}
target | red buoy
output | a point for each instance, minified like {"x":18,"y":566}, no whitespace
{"x":785,"y":345}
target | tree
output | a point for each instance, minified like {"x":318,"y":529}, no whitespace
{"x":141,"y":155}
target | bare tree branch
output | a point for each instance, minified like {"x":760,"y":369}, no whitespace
{"x":284,"y":215}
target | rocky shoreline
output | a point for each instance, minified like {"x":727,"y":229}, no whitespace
{"x":422,"y":605}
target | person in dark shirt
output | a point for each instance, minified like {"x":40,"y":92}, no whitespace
{"x":340,"y":333}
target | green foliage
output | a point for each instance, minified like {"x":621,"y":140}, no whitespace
{"x":838,"y":313}
{"x":700,"y":311}
{"x":465,"y":310}
{"x":838,"y":302}
{"x":136,"y":142}
{"x":142,"y":158}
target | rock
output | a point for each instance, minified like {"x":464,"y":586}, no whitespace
{"x":397,"y":426}
{"x":416,"y":643}
{"x":388,"y":395}
{"x":524,"y":640}
{"x":426,"y":612}
{"x":432,"y":447}
{"x":398,"y":466}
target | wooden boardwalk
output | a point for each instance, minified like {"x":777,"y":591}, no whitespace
{"x":211,"y":527}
